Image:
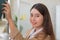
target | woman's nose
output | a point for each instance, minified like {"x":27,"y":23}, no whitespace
{"x":33,"y":19}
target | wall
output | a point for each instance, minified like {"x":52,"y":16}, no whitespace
{"x":58,"y":22}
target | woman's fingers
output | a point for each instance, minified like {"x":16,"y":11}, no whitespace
{"x":6,"y":10}
{"x":6,"y":5}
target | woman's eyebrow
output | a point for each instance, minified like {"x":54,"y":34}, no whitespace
{"x":37,"y":14}
{"x":34,"y":14}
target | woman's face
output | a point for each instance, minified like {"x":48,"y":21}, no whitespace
{"x":36,"y":18}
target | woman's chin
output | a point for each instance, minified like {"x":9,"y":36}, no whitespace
{"x":34,"y":26}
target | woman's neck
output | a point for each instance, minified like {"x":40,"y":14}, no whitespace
{"x":37,"y":28}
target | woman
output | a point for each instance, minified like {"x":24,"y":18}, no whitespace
{"x":40,"y":20}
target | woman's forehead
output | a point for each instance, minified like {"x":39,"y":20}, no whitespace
{"x":34,"y":11}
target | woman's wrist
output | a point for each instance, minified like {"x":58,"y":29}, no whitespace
{"x":10,"y":19}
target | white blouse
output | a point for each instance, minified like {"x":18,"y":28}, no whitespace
{"x":32,"y":34}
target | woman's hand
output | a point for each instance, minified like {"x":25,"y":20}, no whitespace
{"x":7,"y":11}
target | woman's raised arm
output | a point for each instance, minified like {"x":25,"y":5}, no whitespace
{"x":14,"y":31}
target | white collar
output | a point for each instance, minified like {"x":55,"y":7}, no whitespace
{"x":32,"y":34}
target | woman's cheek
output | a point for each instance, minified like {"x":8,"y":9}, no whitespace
{"x":39,"y":21}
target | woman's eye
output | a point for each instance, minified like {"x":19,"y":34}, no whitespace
{"x":31,"y":15}
{"x":37,"y":16}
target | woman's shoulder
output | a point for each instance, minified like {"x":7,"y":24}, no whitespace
{"x":48,"y":37}
{"x":28,"y":32}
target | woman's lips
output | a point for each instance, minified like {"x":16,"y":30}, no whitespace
{"x":33,"y":23}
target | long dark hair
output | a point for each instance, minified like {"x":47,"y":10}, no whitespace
{"x":47,"y":20}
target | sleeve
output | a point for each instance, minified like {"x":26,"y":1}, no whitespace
{"x":39,"y":38}
{"x":48,"y":38}
{"x":16,"y":35}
